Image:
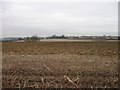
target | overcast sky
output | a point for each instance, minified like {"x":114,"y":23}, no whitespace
{"x":45,"y":18}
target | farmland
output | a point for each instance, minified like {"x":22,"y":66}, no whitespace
{"x":59,"y":64}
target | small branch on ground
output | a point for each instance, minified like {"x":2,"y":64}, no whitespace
{"x":70,"y":81}
{"x":24,"y":84}
{"x":47,"y":68}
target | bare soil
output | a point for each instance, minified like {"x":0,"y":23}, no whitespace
{"x":60,"y":64}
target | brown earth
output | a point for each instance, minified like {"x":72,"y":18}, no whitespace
{"x":60,"y":64}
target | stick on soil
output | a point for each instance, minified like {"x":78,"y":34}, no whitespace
{"x":71,"y":81}
{"x":47,"y":68}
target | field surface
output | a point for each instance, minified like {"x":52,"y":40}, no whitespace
{"x":59,"y":64}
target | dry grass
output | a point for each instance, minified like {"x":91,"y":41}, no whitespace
{"x":60,"y":65}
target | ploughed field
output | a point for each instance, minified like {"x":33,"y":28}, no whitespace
{"x":60,"y":64}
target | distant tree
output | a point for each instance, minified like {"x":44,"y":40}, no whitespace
{"x":63,"y":36}
{"x":34,"y":38}
{"x":20,"y":39}
{"x":27,"y":38}
{"x":104,"y":36}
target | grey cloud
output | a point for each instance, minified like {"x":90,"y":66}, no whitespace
{"x":24,"y":19}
